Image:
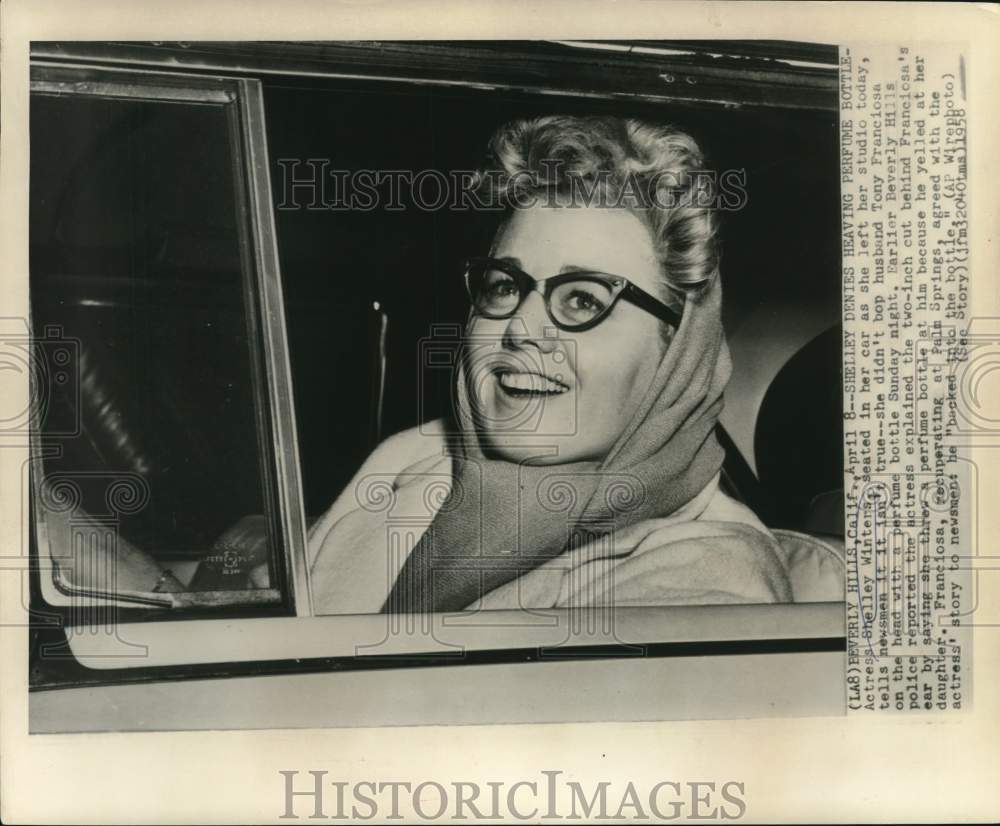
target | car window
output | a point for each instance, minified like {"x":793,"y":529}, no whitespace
{"x":156,"y":477}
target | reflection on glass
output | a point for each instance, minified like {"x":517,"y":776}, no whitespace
{"x":152,"y":476}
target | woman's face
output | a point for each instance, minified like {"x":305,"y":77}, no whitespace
{"x":597,"y":377}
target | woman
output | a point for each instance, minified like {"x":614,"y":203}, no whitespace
{"x":581,"y":466}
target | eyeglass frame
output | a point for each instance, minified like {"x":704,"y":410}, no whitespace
{"x":620,"y":287}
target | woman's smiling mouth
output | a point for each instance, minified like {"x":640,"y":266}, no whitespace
{"x":523,"y":384}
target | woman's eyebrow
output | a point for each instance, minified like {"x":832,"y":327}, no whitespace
{"x":582,"y":268}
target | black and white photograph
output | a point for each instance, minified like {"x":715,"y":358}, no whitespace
{"x":539,"y":332}
{"x":390,"y":385}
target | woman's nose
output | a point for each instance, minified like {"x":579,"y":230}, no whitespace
{"x":531,"y":324}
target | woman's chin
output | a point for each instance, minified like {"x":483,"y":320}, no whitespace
{"x":531,"y":448}
{"x":530,"y":431}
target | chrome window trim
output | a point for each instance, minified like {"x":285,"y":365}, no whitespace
{"x":272,"y":314}
{"x":406,"y":638}
{"x":588,"y":689}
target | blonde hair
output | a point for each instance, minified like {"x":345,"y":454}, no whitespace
{"x":656,"y":172}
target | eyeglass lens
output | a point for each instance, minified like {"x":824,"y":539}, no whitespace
{"x":497,"y":294}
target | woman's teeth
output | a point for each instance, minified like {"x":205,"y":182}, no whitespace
{"x":530,"y":383}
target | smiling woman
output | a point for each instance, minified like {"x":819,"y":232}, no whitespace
{"x":580,"y":464}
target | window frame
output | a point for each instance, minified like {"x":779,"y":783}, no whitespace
{"x":335,"y":643}
{"x":266,"y":334}
{"x":719,"y":74}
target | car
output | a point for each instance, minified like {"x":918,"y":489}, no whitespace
{"x":223,"y":328}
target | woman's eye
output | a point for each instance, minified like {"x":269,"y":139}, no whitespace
{"x":585,"y":302}
{"x":501,"y":288}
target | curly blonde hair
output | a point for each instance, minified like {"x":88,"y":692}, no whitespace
{"x":656,"y":172}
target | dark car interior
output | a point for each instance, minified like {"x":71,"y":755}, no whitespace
{"x":135,"y":256}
